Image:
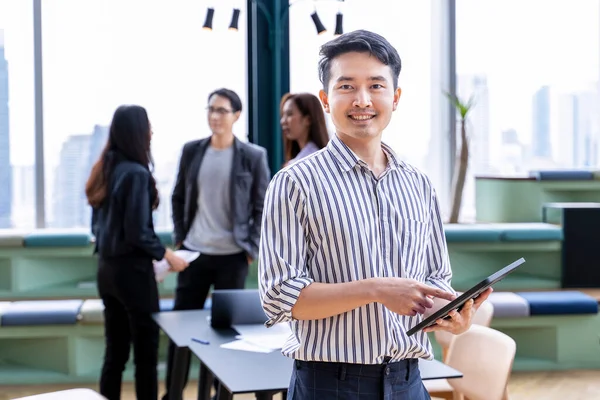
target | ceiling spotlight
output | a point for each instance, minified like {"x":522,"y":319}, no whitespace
{"x":339,"y":18}
{"x":234,"y":19}
{"x":210,"y":12}
{"x":318,"y":24}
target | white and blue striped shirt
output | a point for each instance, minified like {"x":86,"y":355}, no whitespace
{"x":328,"y":219}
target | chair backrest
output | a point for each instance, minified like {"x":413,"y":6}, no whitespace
{"x":485,"y":357}
{"x":482,"y":317}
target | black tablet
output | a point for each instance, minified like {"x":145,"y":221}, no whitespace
{"x":472,"y":293}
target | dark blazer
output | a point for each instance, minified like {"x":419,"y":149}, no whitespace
{"x":123,"y":224}
{"x":250,"y":177}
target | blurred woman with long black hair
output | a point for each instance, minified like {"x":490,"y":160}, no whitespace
{"x":122,"y":192}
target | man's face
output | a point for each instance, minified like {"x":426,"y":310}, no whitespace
{"x":220,"y":115}
{"x":361,"y":96}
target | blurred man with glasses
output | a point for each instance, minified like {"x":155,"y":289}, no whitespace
{"x":217,"y":208}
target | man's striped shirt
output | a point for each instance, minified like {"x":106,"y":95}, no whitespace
{"x":328,"y":219}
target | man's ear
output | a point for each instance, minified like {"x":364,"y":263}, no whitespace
{"x":236,"y":116}
{"x":324,"y":100}
{"x":397,"y":94}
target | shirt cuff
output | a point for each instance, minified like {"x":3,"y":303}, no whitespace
{"x":279,"y":301}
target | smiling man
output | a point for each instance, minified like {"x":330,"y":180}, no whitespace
{"x":352,"y":250}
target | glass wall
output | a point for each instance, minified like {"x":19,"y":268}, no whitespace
{"x":532,"y":67}
{"x":412,"y":28}
{"x":17,"y":155}
{"x":100,"y":54}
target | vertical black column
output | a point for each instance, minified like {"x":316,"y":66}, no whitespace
{"x":268,"y":73}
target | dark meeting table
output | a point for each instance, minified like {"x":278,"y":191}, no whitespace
{"x":264,"y":374}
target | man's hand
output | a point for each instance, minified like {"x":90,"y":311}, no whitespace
{"x":249,"y":259}
{"x":408,"y":296}
{"x":460,"y":322}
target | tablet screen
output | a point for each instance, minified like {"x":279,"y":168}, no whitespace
{"x":472,"y":293}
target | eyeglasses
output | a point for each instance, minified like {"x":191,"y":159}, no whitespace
{"x":221,"y":111}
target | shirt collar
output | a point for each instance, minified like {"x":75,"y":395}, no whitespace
{"x":347,"y":159}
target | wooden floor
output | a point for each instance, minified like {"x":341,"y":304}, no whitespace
{"x":571,"y":385}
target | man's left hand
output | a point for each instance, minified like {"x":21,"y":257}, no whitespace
{"x":249,"y":258}
{"x":459,"y":322}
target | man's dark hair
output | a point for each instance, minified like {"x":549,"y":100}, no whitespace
{"x":363,"y":42}
{"x":234,"y":99}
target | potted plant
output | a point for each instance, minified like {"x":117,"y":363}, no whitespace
{"x":462,"y":160}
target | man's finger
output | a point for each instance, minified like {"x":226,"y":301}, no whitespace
{"x":483,"y":296}
{"x":468,"y":305}
{"x":419,"y":309}
{"x":439,"y":293}
{"x":427,"y":302}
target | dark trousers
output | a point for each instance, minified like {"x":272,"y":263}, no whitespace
{"x":193,"y":286}
{"x":340,"y":381}
{"x":128,"y":290}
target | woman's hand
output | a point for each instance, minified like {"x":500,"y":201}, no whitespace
{"x":177,"y":263}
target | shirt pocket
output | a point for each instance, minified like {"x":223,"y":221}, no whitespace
{"x":414,"y":238}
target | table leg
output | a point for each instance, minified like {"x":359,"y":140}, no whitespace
{"x":224,"y":394}
{"x":180,"y":360}
{"x":205,"y":381}
{"x":269,"y":395}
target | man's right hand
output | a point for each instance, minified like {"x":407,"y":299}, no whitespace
{"x":177,"y":263}
{"x":408,"y":296}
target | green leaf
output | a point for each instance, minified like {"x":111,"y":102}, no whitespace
{"x":462,"y":107}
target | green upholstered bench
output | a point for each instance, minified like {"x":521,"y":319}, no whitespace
{"x":472,"y":233}
{"x":41,"y":312}
{"x":530,"y":231}
{"x":54,"y":238}
{"x":560,"y":332}
{"x":92,"y":310}
{"x":478,"y":250}
{"x":502,"y":232}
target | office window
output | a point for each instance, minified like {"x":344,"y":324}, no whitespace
{"x":533,"y":69}
{"x":100,"y":54}
{"x":411,"y":27}
{"x":17,"y":195}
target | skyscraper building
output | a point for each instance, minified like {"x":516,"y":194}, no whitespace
{"x":5,"y":167}
{"x":77,"y":156}
{"x":540,"y":141}
{"x":69,"y":201}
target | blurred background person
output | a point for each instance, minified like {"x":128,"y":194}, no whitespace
{"x":217,"y":204}
{"x":123,"y":194}
{"x":303,"y":126}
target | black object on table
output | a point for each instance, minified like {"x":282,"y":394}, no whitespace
{"x":581,"y":243}
{"x":264,"y":374}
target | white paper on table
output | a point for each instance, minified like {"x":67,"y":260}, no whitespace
{"x":269,"y":338}
{"x":245,"y":346}
{"x":162,"y":267}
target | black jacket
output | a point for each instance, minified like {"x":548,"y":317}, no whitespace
{"x":123,"y":226}
{"x":250,"y":177}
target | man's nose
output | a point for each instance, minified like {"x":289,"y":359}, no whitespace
{"x":363,"y":99}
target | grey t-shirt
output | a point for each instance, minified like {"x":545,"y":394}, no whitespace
{"x":212,"y":229}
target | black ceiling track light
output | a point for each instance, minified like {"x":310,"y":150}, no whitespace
{"x":318,"y":24}
{"x":339,"y":21}
{"x":235,"y":18}
{"x":210,"y":12}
